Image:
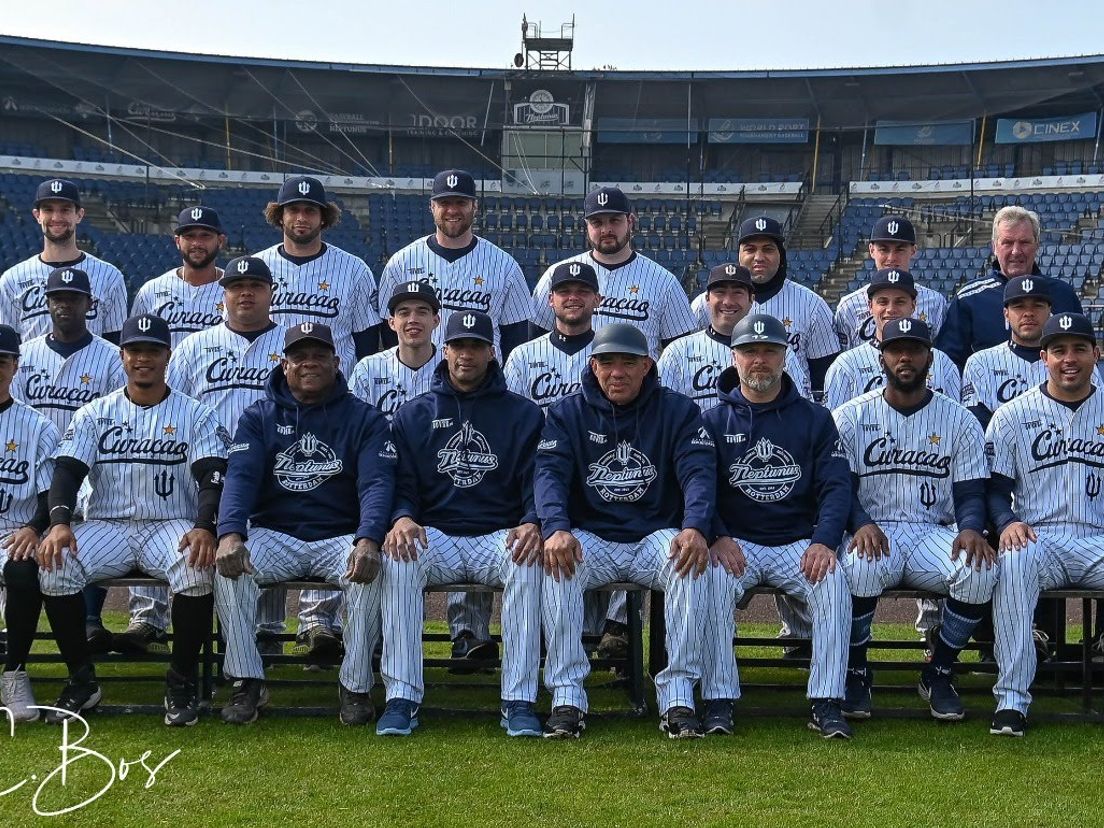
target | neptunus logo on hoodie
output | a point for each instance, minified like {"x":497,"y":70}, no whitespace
{"x":306,"y":465}
{"x":466,"y":457}
{"x":622,"y":474}
{"x":765,"y":473}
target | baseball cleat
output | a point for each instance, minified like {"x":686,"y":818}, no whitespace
{"x":566,"y":722}
{"x":827,"y":720}
{"x":519,"y":718}
{"x":717,"y":720}
{"x":81,"y":692}
{"x":1008,"y":723}
{"x":16,"y":695}
{"x":320,"y":646}
{"x":466,"y":647}
{"x":681,"y":723}
{"x":181,"y":700}
{"x":247,"y":697}
{"x":356,"y":708}
{"x":856,"y":700}
{"x":400,"y":718}
{"x":614,"y":644}
{"x":140,"y":638}
{"x":938,"y":691}
{"x":100,"y":640}
{"x":800,"y":652}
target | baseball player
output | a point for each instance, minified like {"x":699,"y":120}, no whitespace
{"x":892,"y":294}
{"x":892,"y":246}
{"x":310,"y":485}
{"x":691,"y":365}
{"x":464,"y":511}
{"x":316,"y":281}
{"x":625,"y":490}
{"x":783,"y":499}
{"x":805,"y":315}
{"x":634,"y":289}
{"x":974,"y":319}
{"x":29,"y":443}
{"x":918,"y":471}
{"x":1044,"y":452}
{"x":156,"y":461}
{"x":467,"y":271}
{"x":57,"y":211}
{"x":188,"y":297}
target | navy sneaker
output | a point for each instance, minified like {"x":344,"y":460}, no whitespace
{"x":566,"y":722}
{"x":400,"y":718}
{"x":936,"y":689}
{"x":1008,"y":723}
{"x":718,"y":717}
{"x":681,"y":723}
{"x":827,"y":720}
{"x":856,"y":699}
{"x":519,"y":718}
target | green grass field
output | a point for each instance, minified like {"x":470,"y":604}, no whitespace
{"x":460,"y":769}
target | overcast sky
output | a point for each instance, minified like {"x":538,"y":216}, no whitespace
{"x":688,"y":34}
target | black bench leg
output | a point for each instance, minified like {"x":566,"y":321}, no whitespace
{"x":657,"y":642}
{"x":636,"y":653}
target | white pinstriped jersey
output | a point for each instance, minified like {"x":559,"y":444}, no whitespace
{"x":692,"y":365}
{"x":856,"y":371}
{"x":541,"y":371}
{"x":384,"y":381}
{"x":855,"y":325}
{"x":225,"y":370}
{"x":140,"y":457}
{"x":187,"y":308}
{"x":907,"y":465}
{"x":1056,"y":458}
{"x":57,"y":386}
{"x":997,"y":375}
{"x":486,"y":279}
{"x":26,"y":464}
{"x":23,"y":296}
{"x":335,"y":288}
{"x":639,"y":292}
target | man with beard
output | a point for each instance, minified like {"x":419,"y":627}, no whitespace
{"x":917,"y":471}
{"x":634,"y":289}
{"x":57,"y":211}
{"x":188,"y":297}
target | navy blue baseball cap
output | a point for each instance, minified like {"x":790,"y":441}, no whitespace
{"x":415,"y":291}
{"x":68,"y":280}
{"x":568,"y":272}
{"x":897,"y":330}
{"x":1068,"y":324}
{"x":469,"y":325}
{"x":890,"y":278}
{"x":245,"y":267}
{"x":145,"y":328}
{"x":453,"y":184}
{"x":1026,"y":287}
{"x":606,"y":200}
{"x":57,"y":189}
{"x":759,"y":329}
{"x":9,"y":340}
{"x":203,"y":218}
{"x":730,"y":274}
{"x":761,"y":226}
{"x":302,"y":188}
{"x":309,"y":331}
{"x":893,"y":229}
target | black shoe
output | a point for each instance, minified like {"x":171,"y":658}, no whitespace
{"x":247,"y":697}
{"x":718,"y":717}
{"x":1008,"y":723}
{"x":99,"y":639}
{"x":141,"y":638}
{"x":356,"y":708}
{"x":467,"y":647}
{"x":681,"y":723}
{"x":566,"y":722}
{"x":827,"y":719}
{"x":938,"y":691}
{"x":802,"y":651}
{"x":1044,"y":650}
{"x":615,"y":642}
{"x":269,"y":645}
{"x":856,"y":699}
{"x":181,"y":700}
{"x":320,"y":646}
{"x":81,"y":692}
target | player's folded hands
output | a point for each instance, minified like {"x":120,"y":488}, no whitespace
{"x":870,"y":542}
{"x":52,"y":549}
{"x":726,"y":552}
{"x":525,"y":544}
{"x":404,"y":539}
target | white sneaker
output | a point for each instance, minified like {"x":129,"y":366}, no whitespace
{"x":17,"y":697}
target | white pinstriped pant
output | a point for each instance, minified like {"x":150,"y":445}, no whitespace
{"x":481,"y":559}
{"x":150,"y":605}
{"x":277,"y":557}
{"x":1059,"y":559}
{"x":829,"y":603}
{"x":919,"y":558}
{"x":645,"y":562}
{"x":112,"y":548}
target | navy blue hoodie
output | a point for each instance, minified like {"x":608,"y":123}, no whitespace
{"x":309,"y":471}
{"x":625,"y":471}
{"x":465,"y":459}
{"x":781,"y":477}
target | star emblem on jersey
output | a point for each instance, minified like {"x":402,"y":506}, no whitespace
{"x":85,"y":379}
{"x":934,"y":439}
{"x":622,"y":474}
{"x":305,"y":465}
{"x":478,"y":281}
{"x":766,"y":473}
{"x":169,"y":429}
{"x":220,"y":307}
{"x":323,"y":286}
{"x":635,"y":289}
{"x":1100,"y":430}
{"x":273,"y":357}
{"x":466,"y":457}
{"x":11,"y":445}
{"x":788,"y":323}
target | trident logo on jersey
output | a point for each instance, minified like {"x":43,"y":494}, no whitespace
{"x":622,"y":474}
{"x":304,"y":188}
{"x":196,"y":214}
{"x":6,"y":500}
{"x":893,"y":227}
{"x":163,"y":484}
{"x":452,"y":181}
{"x":55,"y":186}
{"x":306,"y":465}
{"x":466,"y":457}
{"x":766,"y":473}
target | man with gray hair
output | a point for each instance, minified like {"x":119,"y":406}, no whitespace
{"x":975,"y":318}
